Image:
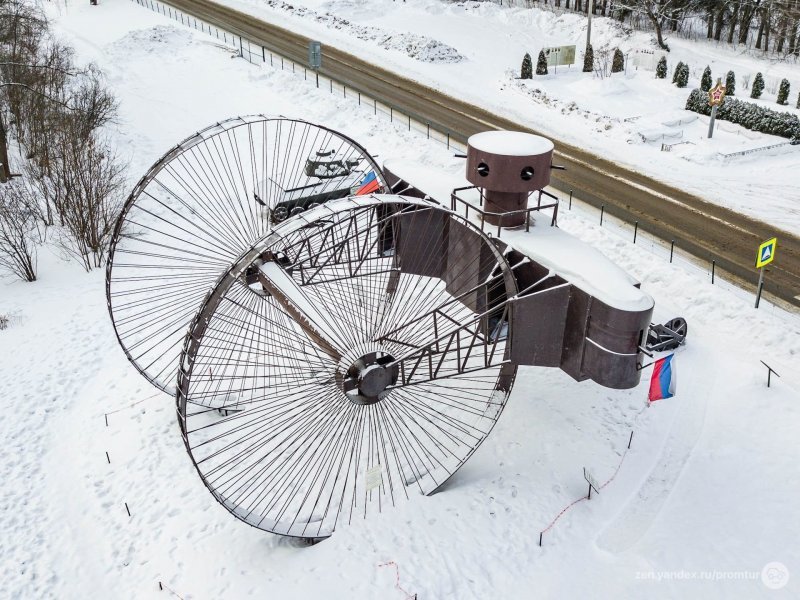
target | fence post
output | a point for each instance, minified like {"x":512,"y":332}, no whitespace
{"x":448,"y":140}
{"x":409,"y":122}
{"x":263,"y":54}
{"x":671,"y":250}
{"x":375,"y":103}
{"x":635,"y":230}
{"x":429,"y":130}
{"x":570,"y":199}
{"x":391,"y":114}
{"x":602,"y":211}
{"x":713,"y":269}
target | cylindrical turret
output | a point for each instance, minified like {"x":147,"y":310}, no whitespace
{"x":508,"y":165}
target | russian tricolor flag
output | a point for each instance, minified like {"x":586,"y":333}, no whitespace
{"x":662,"y":383}
{"x":368,"y":185}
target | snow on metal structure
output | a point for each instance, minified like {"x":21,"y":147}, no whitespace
{"x":360,"y":349}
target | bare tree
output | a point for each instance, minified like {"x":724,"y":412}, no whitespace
{"x":20,"y":230}
{"x":90,"y":179}
{"x":602,"y":62}
{"x":658,"y":12}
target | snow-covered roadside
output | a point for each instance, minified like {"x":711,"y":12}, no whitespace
{"x":625,"y":117}
{"x":710,"y":483}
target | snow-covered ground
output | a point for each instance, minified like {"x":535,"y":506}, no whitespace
{"x":703,"y":502}
{"x":473,"y":50}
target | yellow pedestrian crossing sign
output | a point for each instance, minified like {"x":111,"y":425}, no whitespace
{"x":766,"y":253}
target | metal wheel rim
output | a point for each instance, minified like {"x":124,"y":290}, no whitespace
{"x":267,"y":489}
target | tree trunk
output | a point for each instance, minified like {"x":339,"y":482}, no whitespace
{"x":760,"y":35}
{"x":793,"y":40}
{"x":734,"y":18}
{"x":783,"y":26}
{"x":658,"y":24}
{"x":718,"y":24}
{"x":710,"y":28}
{"x":5,"y":171}
{"x":748,"y":12}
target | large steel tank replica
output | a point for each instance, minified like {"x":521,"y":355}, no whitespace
{"x":332,"y":356}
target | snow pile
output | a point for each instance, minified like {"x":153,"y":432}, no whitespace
{"x":418,"y":47}
{"x":155,"y":40}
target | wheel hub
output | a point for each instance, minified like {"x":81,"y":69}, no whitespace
{"x":368,"y":377}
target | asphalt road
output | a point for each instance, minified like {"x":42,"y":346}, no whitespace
{"x":706,"y":230}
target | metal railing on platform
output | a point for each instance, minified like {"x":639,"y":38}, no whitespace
{"x":455,"y":200}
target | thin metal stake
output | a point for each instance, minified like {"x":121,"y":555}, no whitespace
{"x":429,"y":130}
{"x":409,"y":122}
{"x":602,"y":211}
{"x":540,"y":538}
{"x":106,"y":419}
{"x":760,"y":286}
{"x":570,"y":199}
{"x":635,"y":230}
{"x":128,"y":509}
{"x":671,"y":250}
{"x":108,"y":458}
{"x":713,"y":270}
{"x":630,"y":440}
{"x":769,"y":372}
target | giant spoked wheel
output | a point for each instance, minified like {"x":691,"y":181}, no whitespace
{"x":356,"y":355}
{"x":204,"y":203}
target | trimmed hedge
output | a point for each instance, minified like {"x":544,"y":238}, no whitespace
{"x":747,"y":114}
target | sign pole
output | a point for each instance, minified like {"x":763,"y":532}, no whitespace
{"x":716,"y":96}
{"x":711,"y":122}
{"x":760,"y":286}
{"x":589,"y":25}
